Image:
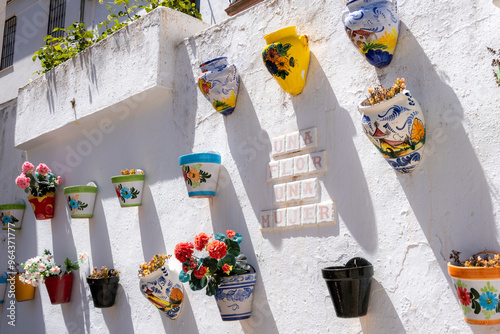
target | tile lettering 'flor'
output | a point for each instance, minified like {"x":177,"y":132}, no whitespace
{"x":296,"y":216}
{"x":302,"y":165}
{"x":295,"y":142}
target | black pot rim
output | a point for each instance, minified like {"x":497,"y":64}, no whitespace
{"x":103,"y":281}
{"x":348,"y":271}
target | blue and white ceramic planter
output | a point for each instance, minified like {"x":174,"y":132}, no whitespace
{"x":397,"y":128}
{"x":373,"y":28}
{"x":234,"y":296}
{"x":11,"y":215}
{"x":164,"y":290}
{"x":219,"y":83}
{"x":201,"y":172}
{"x":3,"y":286}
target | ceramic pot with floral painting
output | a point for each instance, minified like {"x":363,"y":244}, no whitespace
{"x":201,"y":172}
{"x":219,"y":83}
{"x":11,"y":215}
{"x":287,"y":58}
{"x":81,"y":200}
{"x":373,"y":28}
{"x":43,"y":206}
{"x":234,"y":296}
{"x":397,"y":128}
{"x":129,"y":189}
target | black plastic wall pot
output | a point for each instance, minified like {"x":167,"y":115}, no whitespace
{"x":349,"y":287}
{"x":103,"y":290}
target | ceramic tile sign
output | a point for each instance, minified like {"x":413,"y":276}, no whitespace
{"x":297,"y":167}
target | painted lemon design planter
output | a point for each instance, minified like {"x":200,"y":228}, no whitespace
{"x":164,"y":290}
{"x":477,"y":289}
{"x":43,"y":206}
{"x":11,"y":215}
{"x":287,"y":58}
{"x":129,"y":189}
{"x":397,"y":128}
{"x":201,"y":172}
{"x":373,"y":28}
{"x":219,"y":83}
{"x":81,"y":200}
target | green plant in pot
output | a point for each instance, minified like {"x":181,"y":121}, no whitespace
{"x":103,"y":284}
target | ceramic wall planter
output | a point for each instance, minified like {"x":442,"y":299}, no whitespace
{"x":129,"y":189}
{"x":201,"y":172}
{"x":3,"y":287}
{"x":219,"y":83}
{"x":59,"y":288}
{"x":12,"y":215}
{"x":23,"y":291}
{"x":397,"y":128}
{"x":163,"y":289}
{"x":234,"y":296}
{"x":81,"y":200}
{"x":349,"y":287}
{"x":103,"y":290}
{"x":496,"y":3}
{"x":43,"y":206}
{"x":373,"y":28}
{"x":477,"y":291}
{"x":287,"y":58}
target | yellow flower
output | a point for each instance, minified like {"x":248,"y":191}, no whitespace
{"x":417,"y":131}
{"x":231,"y":101}
{"x":389,"y":40}
{"x":282,"y":63}
{"x":194,"y":175}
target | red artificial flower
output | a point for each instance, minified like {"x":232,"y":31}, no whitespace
{"x":192,"y":264}
{"x":199,"y":273}
{"x":185,"y":268}
{"x":200,"y":241}
{"x":226,"y":268}
{"x":230,"y":233}
{"x":463,"y":296}
{"x":217,"y":249}
{"x":183,"y":251}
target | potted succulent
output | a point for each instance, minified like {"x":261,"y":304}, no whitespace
{"x":128,"y":187}
{"x":160,"y":286}
{"x":393,"y":121}
{"x":40,"y":187}
{"x":477,"y":285}
{"x":201,"y":172}
{"x":103,"y":284}
{"x":222,"y":269}
{"x":81,"y":200}
{"x":58,"y":283}
{"x":12,"y":215}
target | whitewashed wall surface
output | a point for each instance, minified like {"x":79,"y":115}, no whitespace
{"x":405,"y":225}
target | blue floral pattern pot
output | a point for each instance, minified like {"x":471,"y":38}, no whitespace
{"x":373,"y":28}
{"x":234,"y":296}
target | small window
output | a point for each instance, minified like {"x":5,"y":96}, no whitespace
{"x":56,"y":17}
{"x":9,"y":39}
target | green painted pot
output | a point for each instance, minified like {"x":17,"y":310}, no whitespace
{"x":129,"y":189}
{"x":12,"y":215}
{"x":81,"y":200}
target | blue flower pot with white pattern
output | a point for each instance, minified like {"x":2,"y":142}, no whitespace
{"x":234,"y":296}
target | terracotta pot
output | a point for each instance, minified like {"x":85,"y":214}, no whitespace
{"x":59,"y":288}
{"x":219,"y":83}
{"x":234,"y":296}
{"x":129,"y":189}
{"x":287,"y":58}
{"x":103,"y":290}
{"x":43,"y":206}
{"x":373,"y":28}
{"x":81,"y":200}
{"x":23,"y":291}
{"x":397,"y":128}
{"x":11,"y":216}
{"x":201,"y":172}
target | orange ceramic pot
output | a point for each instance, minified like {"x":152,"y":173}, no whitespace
{"x":23,"y":291}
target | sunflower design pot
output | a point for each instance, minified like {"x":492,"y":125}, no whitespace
{"x":287,"y":58}
{"x":373,"y":28}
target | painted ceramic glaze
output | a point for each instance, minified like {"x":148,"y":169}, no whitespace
{"x":234,"y":296}
{"x":129,"y":189}
{"x":23,"y":291}
{"x":287,"y":58}
{"x":373,"y":28}
{"x":201,"y":172}
{"x":11,"y":216}
{"x":397,"y":128}
{"x":219,"y":83}
{"x":477,"y":290}
{"x":3,"y":287}
{"x":163,"y":289}
{"x":43,"y":206}
{"x":81,"y":200}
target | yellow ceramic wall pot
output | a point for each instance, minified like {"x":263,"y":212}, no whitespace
{"x":287,"y":58}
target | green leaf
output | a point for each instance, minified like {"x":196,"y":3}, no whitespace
{"x":230,"y":259}
{"x":197,"y":284}
{"x":474,"y":294}
{"x":233,"y":247}
{"x":476,"y":307}
{"x":212,"y":287}
{"x":210,"y":263}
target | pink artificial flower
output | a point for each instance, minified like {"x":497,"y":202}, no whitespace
{"x":23,"y":181}
{"x":55,"y":270}
{"x":59,"y":180}
{"x":42,"y":169}
{"x":28,"y":167}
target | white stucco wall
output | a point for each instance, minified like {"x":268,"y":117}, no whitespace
{"x":406,"y":225}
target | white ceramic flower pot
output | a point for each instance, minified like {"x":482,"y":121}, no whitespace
{"x":11,"y":215}
{"x":201,"y":172}
{"x":234,"y":296}
{"x":129,"y":189}
{"x":81,"y":200}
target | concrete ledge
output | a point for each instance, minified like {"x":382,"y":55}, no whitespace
{"x":135,"y":63}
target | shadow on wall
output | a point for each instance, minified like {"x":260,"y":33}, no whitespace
{"x":186,"y":320}
{"x":344,"y":181}
{"x":226,"y":214}
{"x":118,"y":318}
{"x":149,"y":223}
{"x":448,"y":192}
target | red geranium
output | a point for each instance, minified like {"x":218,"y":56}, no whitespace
{"x":217,"y":249}
{"x":200,"y":241}
{"x":463,"y":296}
{"x":199,"y":273}
{"x":226,"y":268}
{"x":183,"y":251}
{"x":230,"y":233}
